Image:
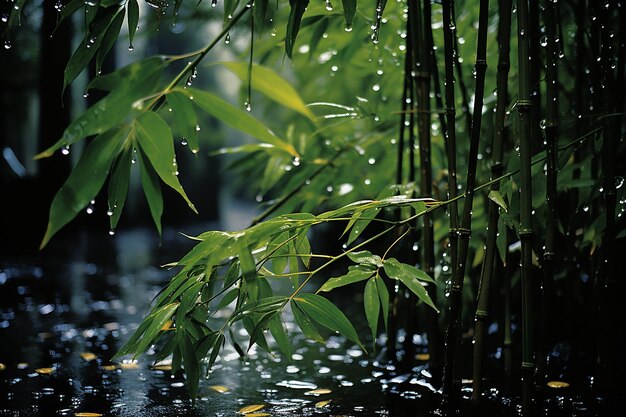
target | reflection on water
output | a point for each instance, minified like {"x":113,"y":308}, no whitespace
{"x":62,"y":319}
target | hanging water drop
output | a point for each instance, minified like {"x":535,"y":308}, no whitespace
{"x":65,"y":150}
{"x":183,"y":142}
{"x":5,"y":18}
{"x":111,"y":232}
{"x":543,"y":41}
{"x":227,"y":39}
{"x":58,"y":6}
{"x":329,"y":6}
{"x":213,"y":3}
{"x":248,"y":106}
{"x":542,"y":124}
{"x":197,"y":128}
{"x":131,"y":48}
{"x":7,"y":45}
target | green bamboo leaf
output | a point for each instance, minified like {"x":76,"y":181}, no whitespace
{"x":257,"y":335}
{"x":188,"y":300}
{"x":155,"y":140}
{"x":217,"y":346}
{"x":205,"y":344}
{"x":267,"y":82}
{"x":371,"y":303}
{"x":191,"y":363}
{"x":133,"y":20}
{"x":407,"y":275}
{"x":229,"y":9}
{"x":248,"y":270}
{"x":303,"y":246}
{"x":298,"y":7}
{"x":236,"y":118}
{"x":226,"y":300}
{"x":87,"y":49}
{"x":317,"y":35}
{"x":185,"y":117}
{"x":497,"y":198}
{"x":279,"y":248}
{"x":328,"y":315}
{"x":125,"y":78}
{"x":260,"y":13}
{"x":151,"y":189}
{"x":366,"y":257}
{"x":349,"y":10}
{"x":68,"y":10}
{"x":355,"y":274}
{"x":157,"y":320}
{"x":118,"y":186}
{"x":383,"y":295}
{"x":91,"y":11}
{"x":109,"y":40}
{"x":304,"y":322}
{"x":85,"y":181}
{"x":280,"y":335}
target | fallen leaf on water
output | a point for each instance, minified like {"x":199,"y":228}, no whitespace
{"x":321,"y":404}
{"x":108,"y":367}
{"x":558,"y":384}
{"x":422,"y":356}
{"x":88,"y":356}
{"x":22,"y":365}
{"x":258,"y":414}
{"x":46,"y":335}
{"x":87,"y":414}
{"x":162,"y":367}
{"x":2,"y":366}
{"x":129,"y":365}
{"x":318,"y":391}
{"x":219,"y":388}
{"x":251,"y":408}
{"x":44,"y":371}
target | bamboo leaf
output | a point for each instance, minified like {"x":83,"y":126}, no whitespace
{"x":191,"y":363}
{"x":366,"y":258}
{"x":497,"y":198}
{"x":118,"y":186}
{"x":355,"y":274}
{"x":272,"y":85}
{"x":304,"y":322}
{"x":156,"y":321}
{"x":328,"y":315}
{"x":257,"y":331}
{"x":280,"y":335}
{"x":151,"y":189}
{"x":133,"y":20}
{"x":184,"y":115}
{"x":349,"y":10}
{"x":298,"y":7}
{"x":236,"y":118}
{"x":155,"y":140}
{"x":371,"y":303}
{"x":407,"y":275}
{"x":109,"y":40}
{"x":383,"y":295}
{"x":85,"y":181}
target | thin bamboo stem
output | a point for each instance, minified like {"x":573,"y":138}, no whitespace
{"x":497,"y":168}
{"x":451,"y":384}
{"x":524,"y":107}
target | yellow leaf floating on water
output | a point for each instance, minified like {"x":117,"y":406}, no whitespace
{"x":44,"y":371}
{"x":558,"y":384}
{"x":162,"y":367}
{"x":88,"y":414}
{"x":219,"y":388}
{"x":251,"y":408}
{"x":258,"y":414}
{"x":108,"y":367}
{"x":129,"y":365}
{"x":422,"y":356}
{"x":2,"y":366}
{"x":88,"y":356}
{"x":319,"y":391}
{"x":321,"y":404}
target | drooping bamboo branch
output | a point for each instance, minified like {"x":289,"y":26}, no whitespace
{"x":497,"y":168}
{"x":452,"y":340}
{"x":525,"y":228}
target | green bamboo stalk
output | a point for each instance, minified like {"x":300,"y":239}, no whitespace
{"x":465,"y":107}
{"x":524,"y":106}
{"x":497,"y":168}
{"x":451,"y":383}
{"x":535,"y":74}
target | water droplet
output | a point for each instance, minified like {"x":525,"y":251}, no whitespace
{"x":7,"y":44}
{"x":376,"y":87}
{"x":329,"y":6}
{"x":109,"y":212}
{"x":213,"y":3}
{"x":5,"y":17}
{"x":65,"y":150}
{"x":197,"y":128}
{"x":131,"y":48}
{"x":248,"y":106}
{"x":619,"y":182}
{"x":585,"y":209}
{"x":371,"y":161}
{"x":542,"y":124}
{"x":111,"y":232}
{"x":227,"y":39}
{"x":543,"y":41}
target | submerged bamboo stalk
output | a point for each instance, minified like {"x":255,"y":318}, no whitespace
{"x":524,"y":107}
{"x":497,"y":168}
{"x":452,"y":382}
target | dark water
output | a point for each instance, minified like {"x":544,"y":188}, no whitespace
{"x":63,"y":315}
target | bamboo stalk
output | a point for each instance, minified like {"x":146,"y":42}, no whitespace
{"x":551,"y":143}
{"x":451,"y":383}
{"x":497,"y":168}
{"x":524,"y":106}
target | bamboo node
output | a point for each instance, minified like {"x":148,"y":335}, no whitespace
{"x":528,"y":365}
{"x":481,"y":314}
{"x":525,"y":232}
{"x":480,"y":64}
{"x":524,"y":104}
{"x":464,"y":231}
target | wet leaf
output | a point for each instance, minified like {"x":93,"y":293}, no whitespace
{"x":155,"y":139}
{"x":319,"y":391}
{"x":87,"y":414}
{"x":366,"y":257}
{"x":251,"y":408}
{"x":108,"y":42}
{"x":133,"y":20}
{"x":151,"y":189}
{"x":236,"y":118}
{"x":355,"y":274}
{"x":272,"y":85}
{"x":305,"y":324}
{"x":408,"y":275}
{"x":371,"y":303}
{"x":557,"y":384}
{"x":328,"y":315}
{"x":321,"y":404}
{"x":118,"y":186}
{"x":191,"y":363}
{"x":88,"y":356}
{"x":84,"y":182}
{"x":383,"y":295}
{"x":298,"y":7}
{"x":219,"y":388}
{"x":185,"y":118}
{"x":44,"y":371}
{"x":162,"y":367}
{"x":280,"y":335}
{"x":497,"y":198}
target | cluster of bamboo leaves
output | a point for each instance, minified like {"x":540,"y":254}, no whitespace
{"x":341,"y":161}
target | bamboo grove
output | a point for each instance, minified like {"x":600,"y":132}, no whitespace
{"x":474,"y":180}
